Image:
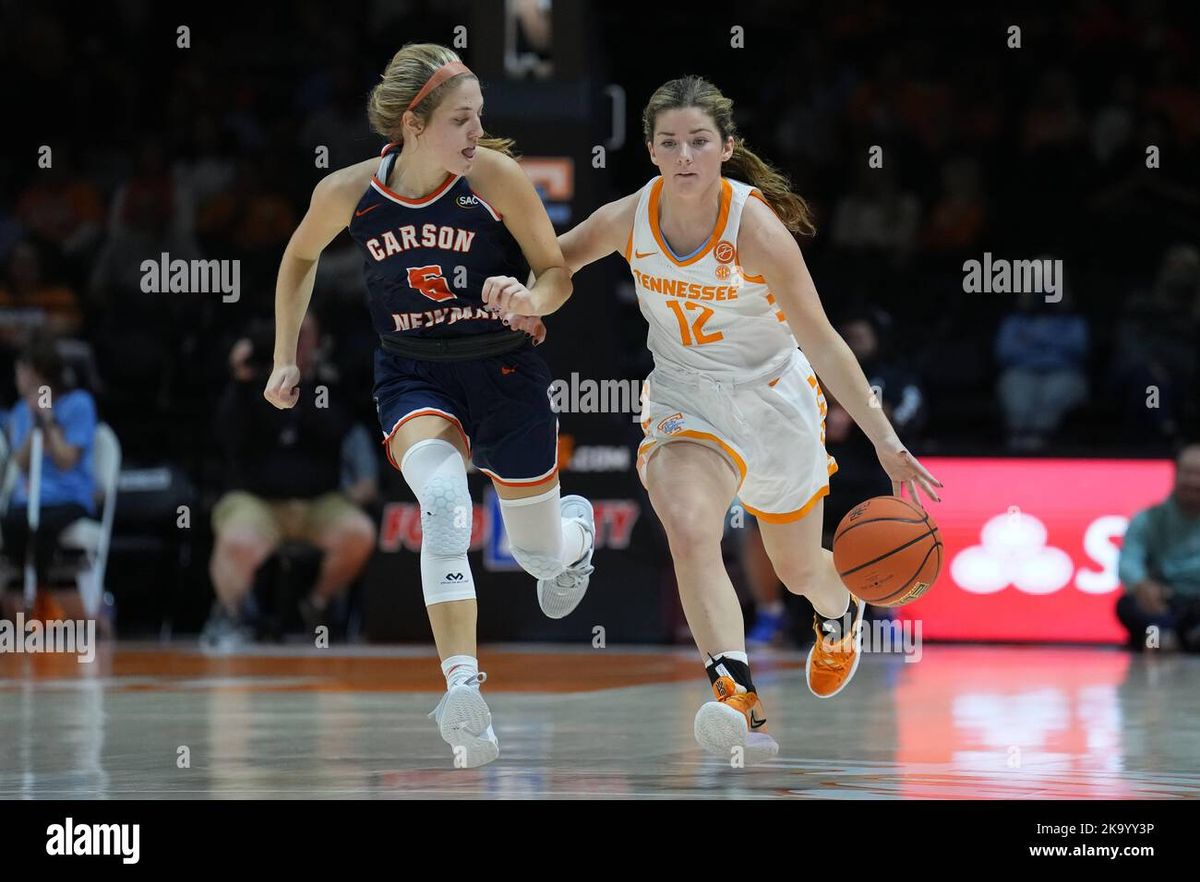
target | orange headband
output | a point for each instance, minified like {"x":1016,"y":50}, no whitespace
{"x":443,"y":73}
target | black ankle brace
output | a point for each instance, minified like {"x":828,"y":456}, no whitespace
{"x":739,"y":670}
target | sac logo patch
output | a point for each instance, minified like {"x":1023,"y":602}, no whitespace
{"x":466,"y":201}
{"x":671,"y":425}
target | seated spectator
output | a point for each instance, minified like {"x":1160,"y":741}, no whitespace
{"x":151,"y":196}
{"x":899,"y":391}
{"x":1154,"y":354}
{"x":27,"y":301}
{"x":360,"y":466}
{"x":63,"y":209}
{"x":958,"y":218}
{"x":877,"y":217}
{"x":250,"y":220}
{"x":150,"y":214}
{"x":67,"y":419}
{"x":204,"y":169}
{"x":285,"y":469}
{"x":1159,"y":565}
{"x":1041,"y":350}
{"x":136,"y":335}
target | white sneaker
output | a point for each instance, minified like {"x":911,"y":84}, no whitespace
{"x":734,"y":727}
{"x":559,"y":596}
{"x":465,"y":723}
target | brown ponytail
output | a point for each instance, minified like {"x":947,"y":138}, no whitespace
{"x":744,"y":164}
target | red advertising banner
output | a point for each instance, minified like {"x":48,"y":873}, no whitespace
{"x":1031,"y":546}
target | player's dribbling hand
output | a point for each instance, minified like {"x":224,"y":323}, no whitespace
{"x":283,"y":386}
{"x":504,"y":294}
{"x":905,"y":471}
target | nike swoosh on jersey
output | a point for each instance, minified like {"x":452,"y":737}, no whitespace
{"x":365,"y":210}
{"x":640,"y":255}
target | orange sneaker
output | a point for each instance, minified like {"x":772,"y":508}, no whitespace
{"x":834,"y":657}
{"x":735,"y":720}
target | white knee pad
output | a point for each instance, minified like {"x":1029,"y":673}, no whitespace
{"x":445,"y":514}
{"x":434,"y":470}
{"x":535,"y":533}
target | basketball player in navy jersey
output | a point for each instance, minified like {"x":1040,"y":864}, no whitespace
{"x":445,"y":217}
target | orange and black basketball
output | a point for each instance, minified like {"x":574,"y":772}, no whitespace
{"x":887,"y":551}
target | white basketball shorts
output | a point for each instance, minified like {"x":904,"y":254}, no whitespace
{"x":770,"y":427}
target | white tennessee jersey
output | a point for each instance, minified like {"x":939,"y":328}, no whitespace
{"x":704,"y":313}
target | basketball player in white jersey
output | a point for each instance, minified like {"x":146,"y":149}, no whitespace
{"x":733,"y":407}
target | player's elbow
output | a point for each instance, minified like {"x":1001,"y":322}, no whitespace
{"x":819,"y":340}
{"x":299,"y":254}
{"x":573,"y":256}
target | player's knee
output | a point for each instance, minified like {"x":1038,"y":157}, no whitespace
{"x":434,"y":470}
{"x":446,"y":514}
{"x":692,"y":531}
{"x":797,"y":575}
{"x":446,"y":537}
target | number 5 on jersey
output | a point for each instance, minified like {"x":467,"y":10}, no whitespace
{"x":694,"y":336}
{"x":430,"y":282}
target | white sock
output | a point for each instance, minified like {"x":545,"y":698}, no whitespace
{"x":459,"y":668}
{"x":576,"y":542}
{"x":536,"y":524}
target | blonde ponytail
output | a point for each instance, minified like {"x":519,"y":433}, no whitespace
{"x":406,"y":74}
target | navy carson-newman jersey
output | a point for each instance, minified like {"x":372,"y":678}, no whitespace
{"x":426,"y":259}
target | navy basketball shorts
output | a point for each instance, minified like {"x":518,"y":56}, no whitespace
{"x":500,"y":406}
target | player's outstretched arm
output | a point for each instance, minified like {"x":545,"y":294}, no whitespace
{"x":606,"y":230}
{"x":767,"y":248}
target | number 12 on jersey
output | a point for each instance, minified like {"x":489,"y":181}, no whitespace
{"x":694,"y":336}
